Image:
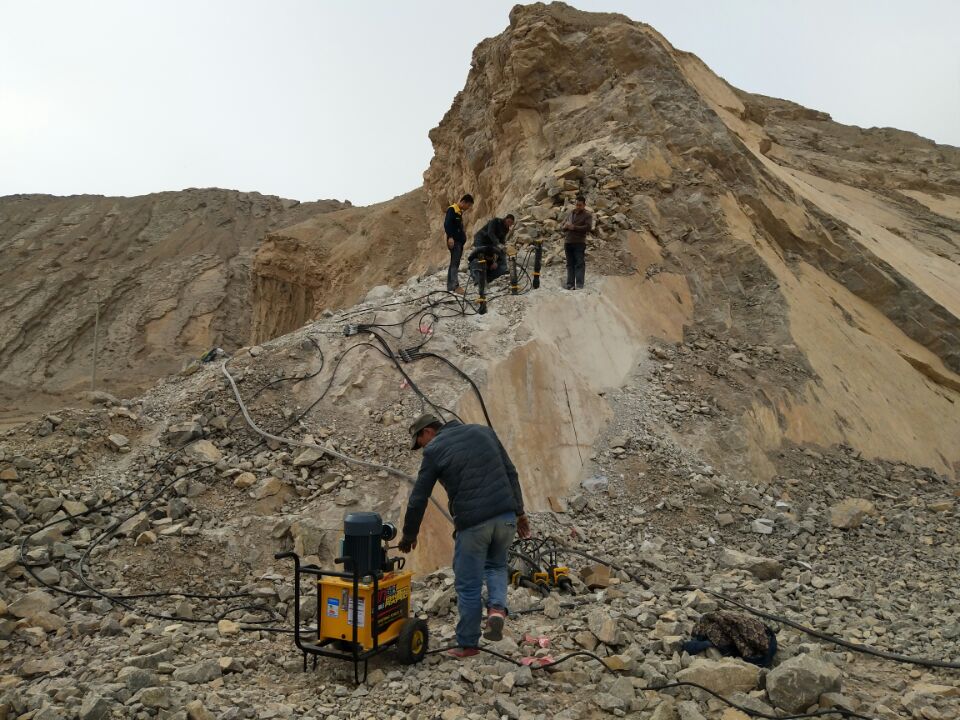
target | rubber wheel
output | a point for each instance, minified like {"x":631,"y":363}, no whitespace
{"x":413,"y":641}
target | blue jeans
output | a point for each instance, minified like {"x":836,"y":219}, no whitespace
{"x":480,"y":553}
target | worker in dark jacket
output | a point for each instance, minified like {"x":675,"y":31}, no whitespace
{"x":486,"y":503}
{"x":578,"y":224}
{"x":490,"y":242}
{"x":456,"y":239}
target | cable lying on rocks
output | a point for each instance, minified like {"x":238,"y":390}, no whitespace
{"x":319,"y":448}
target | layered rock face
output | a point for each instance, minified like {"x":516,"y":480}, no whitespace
{"x":332,"y":260}
{"x":170,"y":271}
{"x":834,"y":247}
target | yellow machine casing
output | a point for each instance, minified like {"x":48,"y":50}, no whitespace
{"x":335,"y":609}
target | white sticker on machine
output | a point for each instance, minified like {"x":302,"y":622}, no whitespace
{"x":333,"y":607}
{"x":361,"y":608}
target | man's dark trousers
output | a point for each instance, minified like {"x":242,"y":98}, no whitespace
{"x":456,"y":252}
{"x":576,"y":264}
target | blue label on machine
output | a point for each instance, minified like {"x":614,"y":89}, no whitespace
{"x":333,"y":607}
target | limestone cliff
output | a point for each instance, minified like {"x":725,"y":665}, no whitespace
{"x":835,"y":247}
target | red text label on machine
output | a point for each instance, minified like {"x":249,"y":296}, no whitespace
{"x":393,"y":603}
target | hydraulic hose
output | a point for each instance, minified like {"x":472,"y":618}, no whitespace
{"x":320,"y":448}
{"x":461,"y":373}
{"x":482,"y":285}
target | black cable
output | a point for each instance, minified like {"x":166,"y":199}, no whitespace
{"x":843,"y":712}
{"x":680,"y":683}
{"x":413,"y":386}
{"x":856,"y":647}
{"x":296,"y":378}
{"x":123,"y":601}
{"x":449,"y":297}
{"x":461,"y":373}
{"x":119,"y":599}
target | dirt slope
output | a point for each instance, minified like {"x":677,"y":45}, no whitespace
{"x":171,"y":271}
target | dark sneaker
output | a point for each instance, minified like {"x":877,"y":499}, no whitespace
{"x":460,"y":652}
{"x":494,"y":630}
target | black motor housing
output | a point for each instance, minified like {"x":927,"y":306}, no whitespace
{"x":362,"y":547}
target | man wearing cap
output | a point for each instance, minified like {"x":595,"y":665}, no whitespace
{"x":486,"y":503}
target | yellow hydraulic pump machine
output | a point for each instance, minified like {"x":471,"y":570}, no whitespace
{"x":365,"y":609}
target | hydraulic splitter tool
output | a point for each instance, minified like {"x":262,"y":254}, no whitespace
{"x":524,"y":572}
{"x":365,"y":609}
{"x":512,"y":262}
{"x":537,"y":262}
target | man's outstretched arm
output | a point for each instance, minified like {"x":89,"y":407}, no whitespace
{"x":417,"y":503}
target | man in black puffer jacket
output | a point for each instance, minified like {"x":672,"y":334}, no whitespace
{"x":489,"y":242}
{"x":486,"y":503}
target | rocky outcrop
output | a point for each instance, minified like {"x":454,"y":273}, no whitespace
{"x":332,"y":260}
{"x":795,"y":233}
{"x":169,"y":270}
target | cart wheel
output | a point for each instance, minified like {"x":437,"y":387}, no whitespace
{"x":413,"y":641}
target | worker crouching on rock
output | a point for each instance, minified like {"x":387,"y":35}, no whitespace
{"x":490,"y":243}
{"x":486,"y":503}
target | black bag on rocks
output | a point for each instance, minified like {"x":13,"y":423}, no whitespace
{"x":734,"y":634}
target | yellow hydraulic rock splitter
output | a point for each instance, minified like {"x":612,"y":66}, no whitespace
{"x":366,"y":609}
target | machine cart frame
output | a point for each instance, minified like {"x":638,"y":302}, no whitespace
{"x":411,"y":640}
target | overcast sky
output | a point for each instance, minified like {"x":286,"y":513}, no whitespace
{"x":325,"y":99}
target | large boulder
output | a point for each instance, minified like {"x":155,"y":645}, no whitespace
{"x":181,"y":433}
{"x":31,"y":604}
{"x":94,"y":707}
{"x":762,"y":568}
{"x":200,"y":673}
{"x":203,"y":451}
{"x":604,"y":627}
{"x":799,"y":682}
{"x":722,"y":676}
{"x":850,"y":513}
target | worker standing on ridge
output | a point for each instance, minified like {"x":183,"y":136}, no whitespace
{"x":456,"y":239}
{"x":490,"y":241}
{"x":578,"y":224}
{"x":487,"y":507}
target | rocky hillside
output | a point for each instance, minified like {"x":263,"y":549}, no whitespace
{"x":171,"y":271}
{"x":833,"y":249}
{"x":755,"y":397}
